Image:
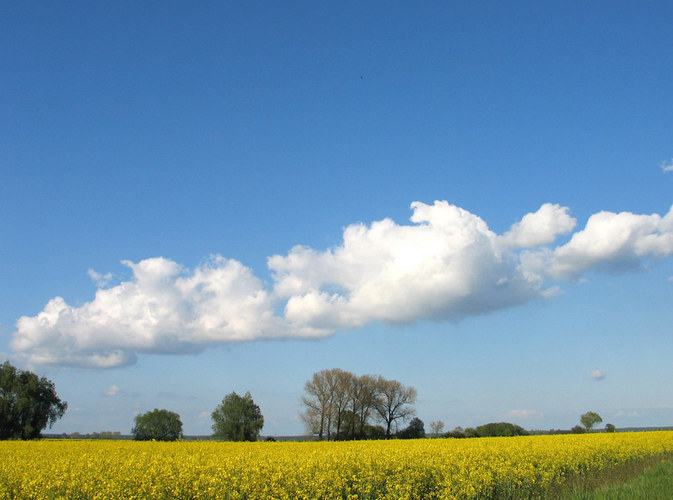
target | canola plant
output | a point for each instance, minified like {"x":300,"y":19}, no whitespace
{"x":485,"y":468}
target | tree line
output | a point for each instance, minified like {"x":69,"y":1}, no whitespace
{"x":336,"y":405}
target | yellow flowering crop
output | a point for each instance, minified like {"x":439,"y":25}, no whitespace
{"x":519,"y":467}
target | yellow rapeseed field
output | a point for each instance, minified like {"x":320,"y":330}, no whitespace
{"x":520,"y":467}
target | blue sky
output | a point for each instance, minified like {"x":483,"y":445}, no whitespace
{"x":471,"y":198}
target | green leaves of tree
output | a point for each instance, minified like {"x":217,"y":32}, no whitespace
{"x":28,"y":403}
{"x":160,"y":425}
{"x":237,"y":419}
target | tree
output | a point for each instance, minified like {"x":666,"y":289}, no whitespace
{"x":318,"y":403}
{"x":610,"y":428}
{"x":501,"y":429}
{"x":373,"y":432}
{"x":415,"y":430}
{"x":338,"y":404}
{"x":436,"y":428}
{"x":393,"y":402}
{"x":28,"y":404}
{"x":237,"y":419}
{"x":589,"y":419}
{"x":362,"y":394}
{"x":158,"y":425}
{"x":457,"y":433}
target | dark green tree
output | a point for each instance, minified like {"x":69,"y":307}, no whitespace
{"x":589,"y":419}
{"x":415,"y":430}
{"x":28,"y":403}
{"x":158,"y":425}
{"x":610,"y":428}
{"x":237,"y":419}
{"x":500,"y":429}
{"x":373,"y":432}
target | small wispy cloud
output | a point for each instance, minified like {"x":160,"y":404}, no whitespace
{"x":524,"y":414}
{"x":204,"y":415}
{"x":667,"y":166}
{"x":99,"y":279}
{"x":111,"y":391}
{"x":597,"y":375}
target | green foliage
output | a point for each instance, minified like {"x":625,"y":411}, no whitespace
{"x":471,"y":432}
{"x":415,"y":430}
{"x":500,"y":429}
{"x":578,"y":429}
{"x":237,"y":419}
{"x":589,"y":419}
{"x":158,"y":425}
{"x":610,"y":428}
{"x":373,"y":432}
{"x":457,"y":433}
{"x":28,"y":404}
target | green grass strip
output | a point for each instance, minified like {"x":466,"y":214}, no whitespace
{"x":651,"y":480}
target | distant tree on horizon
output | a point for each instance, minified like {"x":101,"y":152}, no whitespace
{"x":501,"y":429}
{"x":394,"y":401}
{"x":237,"y":418}
{"x":415,"y":430}
{"x":436,"y":428}
{"x":157,"y":425}
{"x":340,"y":405}
{"x":590,"y":419}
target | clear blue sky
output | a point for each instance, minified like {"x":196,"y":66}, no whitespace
{"x":206,"y":197}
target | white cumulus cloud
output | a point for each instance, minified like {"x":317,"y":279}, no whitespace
{"x":163,"y":308}
{"x":667,"y":166}
{"x":597,"y":375}
{"x":611,"y":242}
{"x":446,"y":265}
{"x":541,"y":227}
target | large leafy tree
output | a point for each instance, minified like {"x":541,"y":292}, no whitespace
{"x":589,"y":419}
{"x":237,"y":418}
{"x":28,"y":403}
{"x":158,"y":425}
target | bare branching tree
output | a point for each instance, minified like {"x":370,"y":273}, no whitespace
{"x":341,"y":405}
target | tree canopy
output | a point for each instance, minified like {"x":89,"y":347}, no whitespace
{"x":500,"y":429}
{"x":415,"y":430}
{"x":589,"y":419}
{"x":158,"y":425}
{"x":237,"y":419}
{"x":28,"y":403}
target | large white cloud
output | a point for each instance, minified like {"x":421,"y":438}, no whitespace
{"x":446,"y":265}
{"x":163,"y":308}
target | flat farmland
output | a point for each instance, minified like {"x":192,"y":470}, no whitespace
{"x":484,"y":468}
